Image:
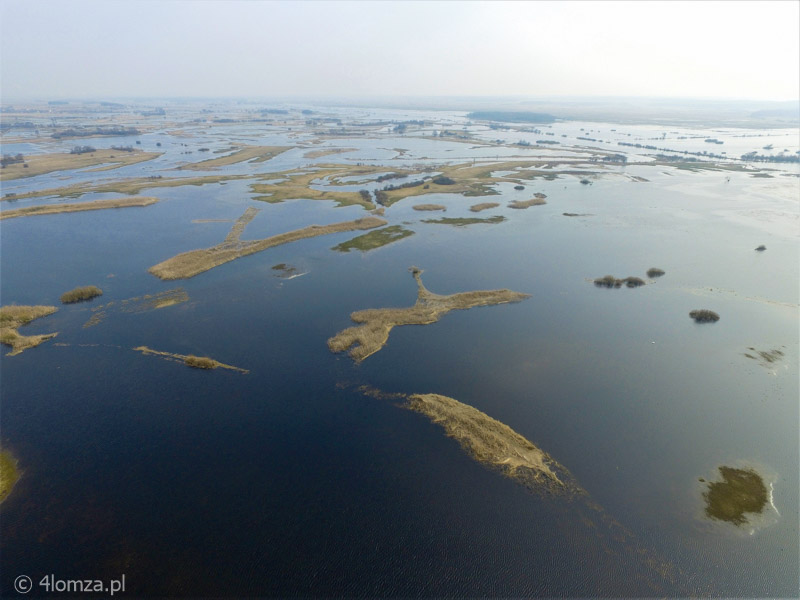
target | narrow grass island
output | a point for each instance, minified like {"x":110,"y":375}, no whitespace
{"x":195,"y":362}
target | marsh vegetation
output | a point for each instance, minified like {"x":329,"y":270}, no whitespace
{"x":9,"y":474}
{"x":53,"y":209}
{"x":483,"y":206}
{"x":375,"y":239}
{"x":375,"y":324}
{"x":194,"y":262}
{"x":80,"y":294}
{"x":196,"y":362}
{"x":740,"y":493}
{"x":13,"y":317}
{"x":464,"y":221}
{"x":609,"y":281}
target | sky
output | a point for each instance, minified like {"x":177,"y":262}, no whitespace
{"x":206,"y":48}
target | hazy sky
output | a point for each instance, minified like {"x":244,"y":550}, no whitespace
{"x":148,"y":48}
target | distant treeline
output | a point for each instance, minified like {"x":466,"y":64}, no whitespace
{"x":779,"y":158}
{"x":511,"y":117}
{"x":96,"y":131}
{"x":9,"y":159}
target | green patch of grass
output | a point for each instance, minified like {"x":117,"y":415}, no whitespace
{"x":741,"y":491}
{"x":374,"y":239}
{"x":463,"y":221}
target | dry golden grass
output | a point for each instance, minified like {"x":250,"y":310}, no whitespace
{"x":13,"y":317}
{"x":493,"y":443}
{"x":376,"y":323}
{"x":52,"y":209}
{"x":197,"y":362}
{"x":194,"y":262}
{"x":429,"y":207}
{"x":256,"y":154}
{"x":490,"y":442}
{"x":483,"y":206}
{"x":522,"y":204}
{"x":38,"y":164}
{"x":79,"y":294}
{"x":327,"y":152}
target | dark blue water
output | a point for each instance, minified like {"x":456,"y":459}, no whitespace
{"x":289,"y":482}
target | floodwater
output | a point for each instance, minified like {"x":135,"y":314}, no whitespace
{"x":288,"y":481}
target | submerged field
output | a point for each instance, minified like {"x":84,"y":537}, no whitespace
{"x":142,"y":449}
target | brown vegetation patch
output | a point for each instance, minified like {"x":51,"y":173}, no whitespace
{"x":194,"y":262}
{"x":80,"y":294}
{"x":373,"y":333}
{"x":197,"y":362}
{"x":327,"y":152}
{"x":522,"y":204}
{"x":483,"y":206}
{"x":13,"y":317}
{"x":255,"y":154}
{"x":52,"y":209}
{"x":429,"y":207}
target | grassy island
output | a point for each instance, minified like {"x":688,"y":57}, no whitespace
{"x":483,"y":206}
{"x":39,"y":164}
{"x":52,"y":209}
{"x":464,"y":221}
{"x":429,"y":207}
{"x":375,"y":324}
{"x":495,"y":444}
{"x":375,"y":239}
{"x":9,"y":474}
{"x":194,"y":262}
{"x":740,"y":492}
{"x":196,"y":362}
{"x":327,"y":152}
{"x":255,"y":154}
{"x":654,"y":272}
{"x":13,"y":317}
{"x":537,"y":200}
{"x":79,"y":294}
{"x":490,"y":442}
